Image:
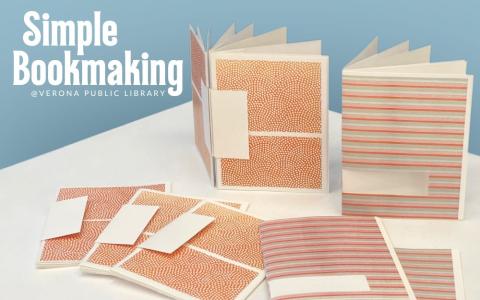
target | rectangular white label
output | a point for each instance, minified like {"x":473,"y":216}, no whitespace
{"x":127,"y":225}
{"x":317,"y":284}
{"x":176,"y":233}
{"x":385,"y":182}
{"x":229,"y":116}
{"x":65,"y":217}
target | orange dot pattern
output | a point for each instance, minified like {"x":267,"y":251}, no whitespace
{"x":232,"y":235}
{"x":102,"y":205}
{"x":191,"y":272}
{"x":199,"y":64}
{"x":109,"y":255}
{"x":75,"y":246}
{"x":170,"y":208}
{"x":200,"y":132}
{"x":104,"y":202}
{"x":288,"y":162}
{"x":195,"y":269}
{"x":282,"y":95}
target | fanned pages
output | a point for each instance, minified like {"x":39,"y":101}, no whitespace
{"x":267,"y":108}
{"x":405,"y":135}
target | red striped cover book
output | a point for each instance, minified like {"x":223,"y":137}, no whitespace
{"x":405,"y":136}
{"x":333,"y":252}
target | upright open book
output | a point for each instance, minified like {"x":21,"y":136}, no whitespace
{"x":405,"y":134}
{"x":260,"y":110}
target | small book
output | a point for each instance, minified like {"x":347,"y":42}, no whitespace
{"x":221,"y":261}
{"x":102,"y":257}
{"x":260,"y":110}
{"x":340,"y":257}
{"x":405,"y":131}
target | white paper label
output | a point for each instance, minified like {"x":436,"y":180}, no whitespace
{"x":127,"y":225}
{"x":178,"y":232}
{"x":64,"y":218}
{"x":317,"y":284}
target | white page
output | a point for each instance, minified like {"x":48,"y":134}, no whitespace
{"x":417,"y":56}
{"x":397,"y":49}
{"x":245,"y":33}
{"x":443,"y":67}
{"x":127,"y":225}
{"x":277,"y":36}
{"x":64,"y":218}
{"x":225,"y":36}
{"x":176,"y":233}
{"x":371,"y":49}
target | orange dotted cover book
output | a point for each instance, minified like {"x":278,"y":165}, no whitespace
{"x":102,"y":205}
{"x":260,"y":110}
{"x":222,"y":261}
{"x":102,"y":257}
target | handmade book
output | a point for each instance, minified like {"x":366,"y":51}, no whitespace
{"x":218,"y":259}
{"x":103,"y":256}
{"x":260,"y":109}
{"x":405,"y":134}
{"x":343,"y":257}
{"x":70,"y":244}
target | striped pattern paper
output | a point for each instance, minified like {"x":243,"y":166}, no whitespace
{"x":329,"y":246}
{"x":286,"y":140}
{"x":400,"y":122}
{"x":431,"y":273}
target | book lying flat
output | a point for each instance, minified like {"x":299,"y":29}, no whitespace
{"x":101,"y":206}
{"x":331,"y":258}
{"x":260,"y":110}
{"x":405,"y":134}
{"x":102,"y":256}
{"x":222,"y":261}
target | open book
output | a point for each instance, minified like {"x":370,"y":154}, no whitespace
{"x":260,"y":110}
{"x":405,"y":134}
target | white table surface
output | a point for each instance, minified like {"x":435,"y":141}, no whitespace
{"x":160,"y":148}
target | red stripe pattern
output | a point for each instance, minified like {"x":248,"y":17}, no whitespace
{"x":325,"y":246}
{"x":405,"y":124}
{"x":430,"y":272}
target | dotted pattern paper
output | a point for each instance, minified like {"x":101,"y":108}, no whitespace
{"x":225,"y":255}
{"x":102,"y":257}
{"x":102,"y":204}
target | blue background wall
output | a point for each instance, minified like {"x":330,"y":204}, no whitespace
{"x":31,"y":126}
